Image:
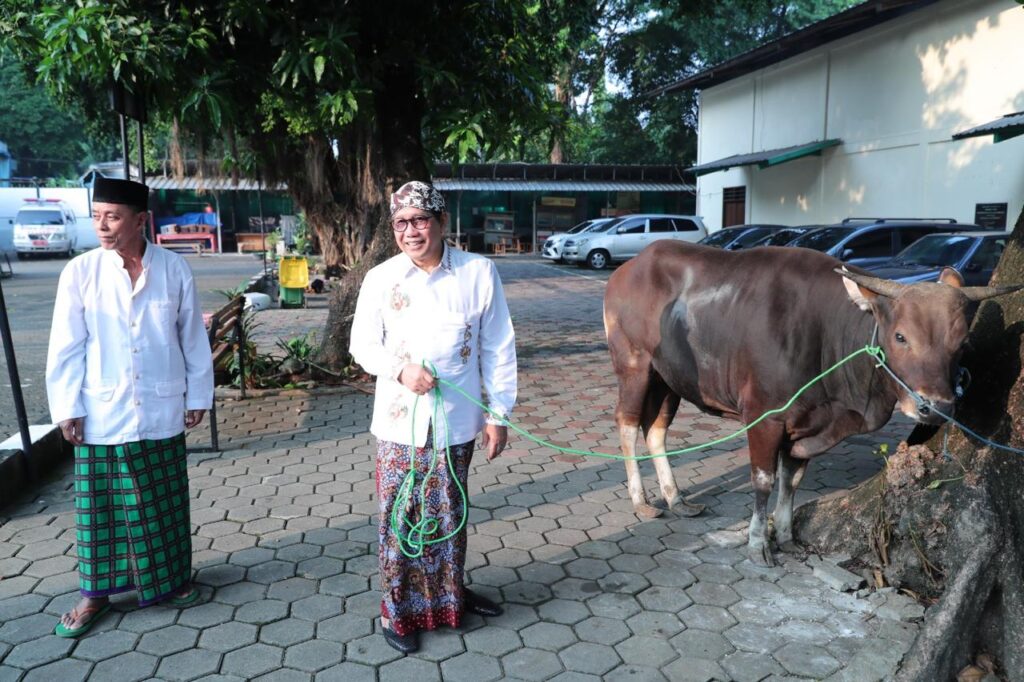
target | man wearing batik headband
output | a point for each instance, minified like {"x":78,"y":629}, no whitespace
{"x":128,"y":370}
{"x":431,"y":308}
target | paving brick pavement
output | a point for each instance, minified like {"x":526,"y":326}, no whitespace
{"x":285,"y":546}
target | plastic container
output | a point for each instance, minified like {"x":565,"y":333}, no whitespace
{"x":293,"y":275}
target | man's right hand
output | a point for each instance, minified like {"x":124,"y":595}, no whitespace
{"x":73,"y":430}
{"x":417,"y":378}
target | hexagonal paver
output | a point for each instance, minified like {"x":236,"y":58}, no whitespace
{"x":252,"y":660}
{"x":205,"y":615}
{"x":314,"y":655}
{"x":440,"y":645}
{"x":147,"y":620}
{"x":167,"y":641}
{"x":531,"y":664}
{"x":292,"y":589}
{"x":611,"y":605}
{"x":523,"y":592}
{"x":587,"y":657}
{"x":38,"y":652}
{"x":106,"y":645}
{"x":626,"y":583}
{"x":320,"y":567}
{"x":655,"y":624}
{"x":550,"y":636}
{"x":317,"y":607}
{"x":807,"y":660}
{"x":188,"y":665}
{"x":271,"y":572}
{"x":261,"y":612}
{"x":492,"y":641}
{"x":240,"y":593}
{"x":27,"y":628}
{"x":659,"y":598}
{"x":646,"y":651}
{"x":713,"y":594}
{"x":701,"y":644}
{"x":344,"y":585}
{"x":743,"y":666}
{"x":588,"y":569}
{"x":67,"y":670}
{"x":755,"y":638}
{"x":602,"y":630}
{"x":228,"y":636}
{"x":129,"y":667}
{"x":707,"y":618}
{"x":371,"y":650}
{"x":344,"y":628}
{"x":563,"y":611}
{"x":470,"y":667}
{"x":409,"y":668}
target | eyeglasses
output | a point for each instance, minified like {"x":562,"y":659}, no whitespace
{"x":420,"y":222}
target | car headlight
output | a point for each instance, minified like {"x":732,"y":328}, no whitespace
{"x":583,"y":242}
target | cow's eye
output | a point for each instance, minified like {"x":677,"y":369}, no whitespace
{"x":900,"y":338}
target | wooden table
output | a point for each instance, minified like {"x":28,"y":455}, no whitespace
{"x":187,"y":238}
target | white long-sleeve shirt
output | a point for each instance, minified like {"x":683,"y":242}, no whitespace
{"x":129,"y":360}
{"x":457,"y":318}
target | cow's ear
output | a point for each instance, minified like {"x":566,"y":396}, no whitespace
{"x":951,"y":277}
{"x":859,"y":295}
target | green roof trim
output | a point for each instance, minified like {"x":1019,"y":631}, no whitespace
{"x":1001,"y":129}
{"x":768,"y":158}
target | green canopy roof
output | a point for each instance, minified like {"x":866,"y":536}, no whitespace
{"x":771,"y":157}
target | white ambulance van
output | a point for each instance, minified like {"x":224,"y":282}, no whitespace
{"x":44,"y":226}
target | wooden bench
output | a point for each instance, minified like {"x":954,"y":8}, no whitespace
{"x":226,"y":333}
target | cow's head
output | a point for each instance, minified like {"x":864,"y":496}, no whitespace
{"x":922,"y":328}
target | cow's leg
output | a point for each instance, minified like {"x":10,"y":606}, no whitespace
{"x":659,"y":411}
{"x":791,"y":471}
{"x":764,"y":441}
{"x":633,"y":369}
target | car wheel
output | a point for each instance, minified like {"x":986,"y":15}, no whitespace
{"x":598,"y":259}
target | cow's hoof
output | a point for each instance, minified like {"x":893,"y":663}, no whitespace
{"x":791,"y":547}
{"x":684,"y":508}
{"x":761,"y":556}
{"x":646,"y":511}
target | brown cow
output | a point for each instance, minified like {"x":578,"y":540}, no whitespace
{"x":737,"y":333}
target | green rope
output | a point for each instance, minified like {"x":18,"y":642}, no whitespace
{"x":418,"y":535}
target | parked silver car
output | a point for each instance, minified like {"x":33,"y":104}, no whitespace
{"x":623,"y":238}
{"x":552,"y":249}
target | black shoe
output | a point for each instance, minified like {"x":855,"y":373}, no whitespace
{"x":481,"y":606}
{"x":407,"y":644}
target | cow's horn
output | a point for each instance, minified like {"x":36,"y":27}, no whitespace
{"x":885,"y":287}
{"x":981,"y":293}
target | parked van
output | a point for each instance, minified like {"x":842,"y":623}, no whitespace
{"x":624,"y":237}
{"x":44,"y":226}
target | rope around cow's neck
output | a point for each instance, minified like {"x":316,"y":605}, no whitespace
{"x":418,"y":535}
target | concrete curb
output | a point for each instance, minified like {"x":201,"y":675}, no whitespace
{"x":18,"y":473}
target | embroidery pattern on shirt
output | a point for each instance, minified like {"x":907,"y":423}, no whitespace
{"x":399,"y":299}
{"x":465,"y":351}
{"x":398,"y":410}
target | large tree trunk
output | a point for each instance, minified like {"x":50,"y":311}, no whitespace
{"x":959,"y":542}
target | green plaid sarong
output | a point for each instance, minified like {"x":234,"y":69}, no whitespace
{"x":132,"y":510}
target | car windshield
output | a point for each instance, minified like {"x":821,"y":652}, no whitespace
{"x":823,"y":239}
{"x":752,"y":236}
{"x":935,"y":250}
{"x":582,"y":227}
{"x":720,"y":238}
{"x":593,"y":227}
{"x":38,"y":217}
{"x":604,"y":227}
{"x":781,"y":237}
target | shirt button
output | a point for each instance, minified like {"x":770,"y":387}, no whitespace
{"x":135,"y":350}
{"x":135,"y":324}
{"x":138,"y":376}
{"x":138,"y":402}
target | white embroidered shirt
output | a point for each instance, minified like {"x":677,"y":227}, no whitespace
{"x":455,"y":317}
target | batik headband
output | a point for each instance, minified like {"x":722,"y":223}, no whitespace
{"x":417,"y":194}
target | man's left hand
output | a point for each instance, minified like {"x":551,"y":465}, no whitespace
{"x":193,"y":417}
{"x":494,"y":438}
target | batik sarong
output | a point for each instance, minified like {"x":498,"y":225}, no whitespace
{"x":132,"y":511}
{"x":425,"y":592}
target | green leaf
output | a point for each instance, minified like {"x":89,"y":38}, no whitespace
{"x":935,"y":485}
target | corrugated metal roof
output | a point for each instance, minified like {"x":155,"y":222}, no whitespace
{"x":770,"y":157}
{"x":453,"y":184}
{"x":1010,"y":125}
{"x":450,"y":184}
{"x":219,"y":184}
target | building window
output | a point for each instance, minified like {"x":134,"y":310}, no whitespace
{"x":734,"y":206}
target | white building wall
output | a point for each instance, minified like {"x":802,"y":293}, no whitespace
{"x":894,"y":94}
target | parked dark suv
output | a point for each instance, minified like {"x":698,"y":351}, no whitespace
{"x":873,"y":241}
